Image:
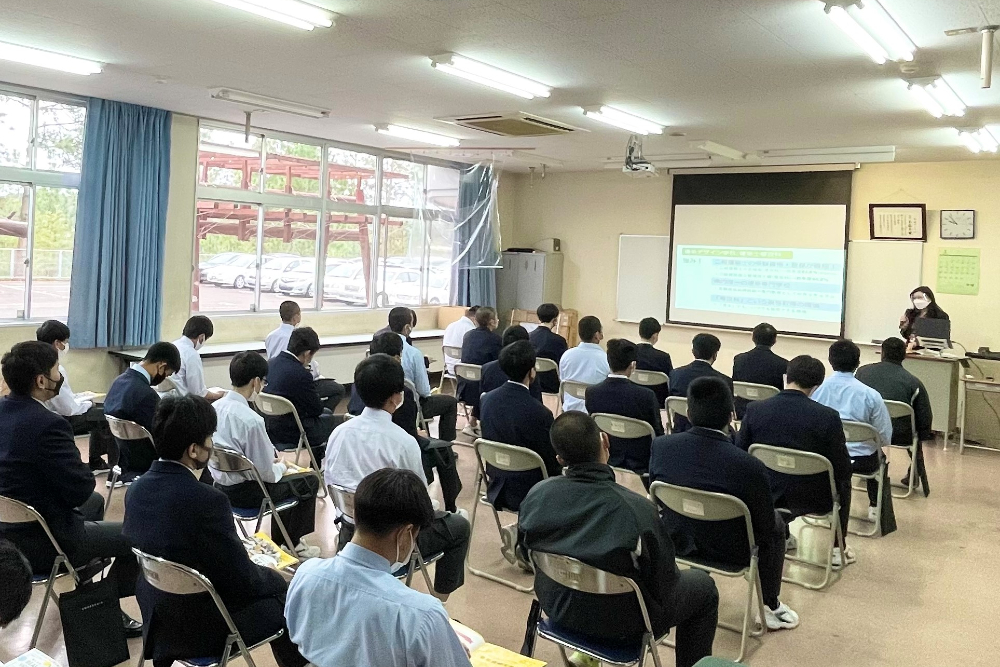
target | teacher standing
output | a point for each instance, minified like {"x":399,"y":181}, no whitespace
{"x":924,"y":306}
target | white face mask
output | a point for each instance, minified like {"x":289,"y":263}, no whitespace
{"x":921,"y":302}
{"x":62,"y":352}
{"x":406,"y":559}
{"x":200,"y":344}
{"x":402,"y":399}
{"x":253,"y":394}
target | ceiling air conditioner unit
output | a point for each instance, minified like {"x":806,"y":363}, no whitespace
{"x":517,"y":124}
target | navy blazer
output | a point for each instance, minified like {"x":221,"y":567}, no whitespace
{"x":513,"y":417}
{"x":41,"y":466}
{"x":548,"y":345}
{"x":170,"y":514}
{"x":288,"y":378}
{"x":493,"y":377}
{"x":480,"y":347}
{"x":648,"y":358}
{"x":620,"y":396}
{"x":793,"y":420}
{"x":759,"y":365}
{"x":707,"y":460}
{"x":130,"y":397}
{"x":682,"y":376}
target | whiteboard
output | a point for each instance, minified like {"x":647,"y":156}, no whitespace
{"x":643,"y":268}
{"x":880,"y":277}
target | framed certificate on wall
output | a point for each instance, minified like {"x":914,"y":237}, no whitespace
{"x":898,"y":222}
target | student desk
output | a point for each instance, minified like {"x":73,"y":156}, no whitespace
{"x":337,"y":356}
{"x":940,"y":377}
{"x":982,"y":386}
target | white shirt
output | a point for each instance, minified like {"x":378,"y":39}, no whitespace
{"x":240,"y":429}
{"x":454,"y":334}
{"x":190,"y":379}
{"x":587,"y":362}
{"x":65,"y":402}
{"x":276,"y":342}
{"x":414,"y":368}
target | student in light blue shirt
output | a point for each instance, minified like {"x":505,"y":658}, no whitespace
{"x":350,"y":610}
{"x":587,"y":362}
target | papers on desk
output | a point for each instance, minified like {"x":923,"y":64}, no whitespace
{"x":292,"y":469}
{"x":263,"y":551}
{"x":489,"y":655}
{"x":33,"y":658}
{"x":87,"y":396}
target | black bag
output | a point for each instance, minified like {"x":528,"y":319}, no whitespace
{"x":534,"y":614}
{"x":92,"y":625}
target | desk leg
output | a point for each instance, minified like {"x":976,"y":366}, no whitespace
{"x":963,"y":397}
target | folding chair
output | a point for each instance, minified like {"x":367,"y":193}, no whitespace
{"x":421,"y":422}
{"x":650,"y":378}
{"x":675,"y":405}
{"x":14,"y":511}
{"x":454,"y":353}
{"x":129,"y":432}
{"x":574,"y":389}
{"x":625,"y":428}
{"x":510,"y":459}
{"x":701,"y":505}
{"x":471,"y":373}
{"x":579,"y":576}
{"x":343,"y":500}
{"x":794,"y":462}
{"x":177,"y":579}
{"x":233,"y":462}
{"x":276,"y":406}
{"x":861,"y":432}
{"x":751,"y":391}
{"x":898,"y":409}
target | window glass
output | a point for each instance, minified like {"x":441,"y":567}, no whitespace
{"x":226,"y":256}
{"x":346,"y":281}
{"x":292,"y":168}
{"x":289,"y":258}
{"x":402,"y":183}
{"x":227,"y":160}
{"x":399,"y":277}
{"x":442,"y":188}
{"x":352,"y":176}
{"x":15,"y":130}
{"x":60,"y":136}
{"x":15,"y":205}
{"x":52,"y":256}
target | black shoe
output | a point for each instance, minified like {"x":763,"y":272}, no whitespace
{"x":133,"y":628}
{"x":99,"y":467}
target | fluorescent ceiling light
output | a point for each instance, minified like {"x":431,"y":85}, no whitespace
{"x":49,"y":60}
{"x":978,"y":139}
{"x":924,"y":97}
{"x":620,"y":119}
{"x":987,"y":140}
{"x":847,"y":23}
{"x":487,"y":75}
{"x":417,"y":135}
{"x":255,"y":102}
{"x":719,"y":149}
{"x":970,"y":141}
{"x":873,"y":29}
{"x":937,"y":97}
{"x":291,"y":12}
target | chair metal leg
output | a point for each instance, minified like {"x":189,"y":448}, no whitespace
{"x":468,"y":554}
{"x":836,"y":539}
{"x":651,"y":643}
{"x":243,"y":529}
{"x":226,"y":652}
{"x":318,"y":470}
{"x":275,"y":519}
{"x":880,"y":476}
{"x":911,"y":478}
{"x":113,"y":476}
{"x":45,"y":600}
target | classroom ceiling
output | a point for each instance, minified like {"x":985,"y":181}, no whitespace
{"x":751,"y":74}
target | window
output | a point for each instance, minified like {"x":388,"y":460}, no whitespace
{"x":39,"y":177}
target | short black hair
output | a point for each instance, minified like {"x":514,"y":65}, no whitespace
{"x":288,"y":309}
{"x":517,"y":359}
{"x":648,"y":327}
{"x":589,"y":327}
{"x":709,"y":403}
{"x":894,"y":349}
{"x":25,"y":362}
{"x":303,"y":339}
{"x":51,"y":331}
{"x":387,"y":342}
{"x":576,"y":438}
{"x":705,"y":346}
{"x":471,"y":311}
{"x":805,"y":371}
{"x":377,"y":379}
{"x":399,"y":317}
{"x":245,"y":367}
{"x":765,"y":334}
{"x":182,"y":421}
{"x":166,"y":353}
{"x":15,"y":578}
{"x":485,"y":315}
{"x":845,"y":356}
{"x":514,"y":333}
{"x":390,"y":498}
{"x":547,"y":312}
{"x":621,"y":353}
{"x":198,"y":325}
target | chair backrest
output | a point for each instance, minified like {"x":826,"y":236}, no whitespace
{"x":702,"y":505}
{"x":677,"y":405}
{"x":623,"y":427}
{"x":123,"y":429}
{"x":452,"y":351}
{"x":794,"y":462}
{"x":343,"y":499}
{"x":276,"y":406}
{"x":543,"y":365}
{"x":859,"y":431}
{"x":650,"y":378}
{"x":412,"y":388}
{"x":166,"y":385}
{"x":508,"y":457}
{"x":228,"y":460}
{"x":899,"y":409}
{"x":573,"y":388}
{"x":470,"y":372}
{"x":14,"y":511}
{"x":752,"y":391}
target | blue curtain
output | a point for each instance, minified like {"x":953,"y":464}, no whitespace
{"x":115,"y":291}
{"x":474,"y":277}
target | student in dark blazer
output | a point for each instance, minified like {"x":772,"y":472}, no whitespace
{"x":705,"y":458}
{"x":480,"y":346}
{"x":493,"y":375}
{"x":648,"y":358}
{"x":759,"y":365}
{"x":548,"y":344}
{"x":705,"y":348}
{"x":288,"y":376}
{"x":170,"y":514}
{"x":40,"y":466}
{"x":618,"y":395}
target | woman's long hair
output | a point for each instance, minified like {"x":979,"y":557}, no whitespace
{"x":934,"y":311}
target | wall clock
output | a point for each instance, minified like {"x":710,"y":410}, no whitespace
{"x":958,"y":224}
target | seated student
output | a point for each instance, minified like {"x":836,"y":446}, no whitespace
{"x":618,"y":395}
{"x":41,"y":466}
{"x":856,"y":401}
{"x":276,"y":342}
{"x":493,"y":375}
{"x":480,"y":346}
{"x":435,"y":454}
{"x":704,"y":458}
{"x":190,"y":378}
{"x":350,"y":610}
{"x":895,"y":383}
{"x":132,"y":397}
{"x":241,"y":429}
{"x":401,"y":322}
{"x":370,"y":442}
{"x":705,"y":348}
{"x":793,"y":421}
{"x":15,"y":581}
{"x":759,"y":365}
{"x":454,"y":334}
{"x":648,"y":358}
{"x":78,"y":409}
{"x":548,"y":344}
{"x":584,"y":514}
{"x":586,"y":362}
{"x":170,"y":514}
{"x":288,"y":376}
